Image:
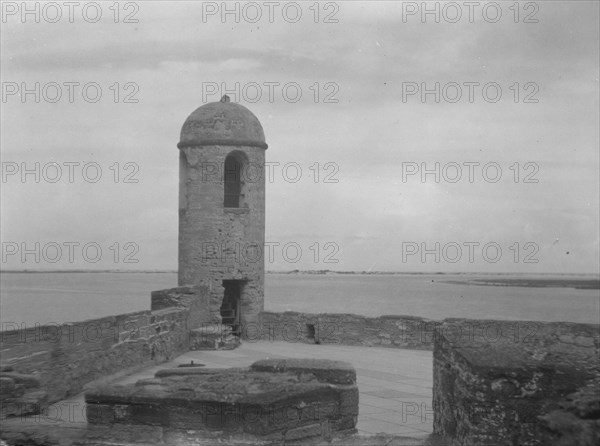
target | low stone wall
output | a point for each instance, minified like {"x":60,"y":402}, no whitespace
{"x":278,"y":400}
{"x":539,"y":386}
{"x":62,"y":359}
{"x":392,"y":331}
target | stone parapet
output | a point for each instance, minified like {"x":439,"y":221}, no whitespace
{"x":192,"y":298}
{"x":534,"y":388}
{"x":64,"y":358}
{"x":391,"y":331}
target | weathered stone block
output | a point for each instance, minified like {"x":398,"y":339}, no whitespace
{"x":288,"y":399}
{"x":349,"y":401}
{"x":576,"y":419}
{"x":497,"y":386}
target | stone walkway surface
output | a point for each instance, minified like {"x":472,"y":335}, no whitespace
{"x":395,"y":386}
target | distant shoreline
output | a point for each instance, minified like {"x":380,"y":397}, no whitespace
{"x":581,"y":281}
{"x":578,"y":284}
{"x":499,"y":282}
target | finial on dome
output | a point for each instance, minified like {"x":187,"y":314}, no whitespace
{"x":225,"y":98}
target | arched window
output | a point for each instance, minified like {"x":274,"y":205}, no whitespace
{"x":232,"y":177}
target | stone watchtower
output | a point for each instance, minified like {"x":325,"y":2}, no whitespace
{"x":222,"y":210}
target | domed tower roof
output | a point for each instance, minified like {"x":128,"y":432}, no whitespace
{"x":222,"y":123}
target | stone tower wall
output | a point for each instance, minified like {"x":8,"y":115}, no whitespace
{"x":218,"y":243}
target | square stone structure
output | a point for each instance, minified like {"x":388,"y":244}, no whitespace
{"x":222,"y":210}
{"x":277,"y":400}
{"x":520,"y":383}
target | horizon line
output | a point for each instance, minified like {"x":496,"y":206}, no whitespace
{"x":296,"y":271}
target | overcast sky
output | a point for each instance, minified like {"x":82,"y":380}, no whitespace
{"x":365,"y":60}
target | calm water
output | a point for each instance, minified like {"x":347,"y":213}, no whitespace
{"x":63,"y":297}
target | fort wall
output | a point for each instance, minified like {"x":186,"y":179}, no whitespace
{"x":390,"y":331}
{"x":44,"y":364}
{"x":495,"y":382}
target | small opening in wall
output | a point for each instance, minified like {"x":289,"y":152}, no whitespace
{"x":230,"y":307}
{"x":311,"y":333}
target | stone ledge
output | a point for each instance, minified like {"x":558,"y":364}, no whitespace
{"x":544,"y":344}
{"x":70,"y":434}
{"x":333,"y":372}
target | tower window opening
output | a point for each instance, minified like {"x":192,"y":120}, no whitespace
{"x":232,"y":176}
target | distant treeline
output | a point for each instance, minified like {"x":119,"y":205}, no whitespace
{"x":578,"y":284}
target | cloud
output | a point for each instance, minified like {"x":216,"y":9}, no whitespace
{"x":367,"y":58}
